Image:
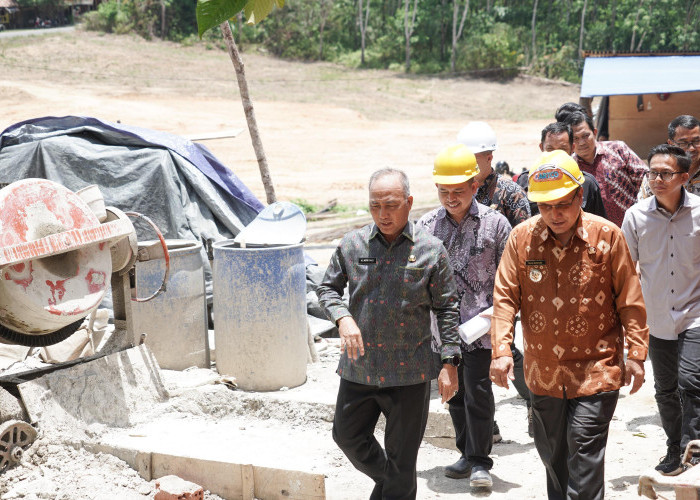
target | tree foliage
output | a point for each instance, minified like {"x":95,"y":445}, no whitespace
{"x":543,"y":36}
{"x":211,"y":13}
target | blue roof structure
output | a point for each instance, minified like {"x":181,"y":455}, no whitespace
{"x":603,"y":76}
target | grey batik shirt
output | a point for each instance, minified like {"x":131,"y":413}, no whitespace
{"x":474,"y":246}
{"x":393,"y":289}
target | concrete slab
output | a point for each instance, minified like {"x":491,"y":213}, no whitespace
{"x":109,"y":391}
{"x":231,"y":461}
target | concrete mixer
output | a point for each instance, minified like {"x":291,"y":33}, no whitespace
{"x":59,"y":252}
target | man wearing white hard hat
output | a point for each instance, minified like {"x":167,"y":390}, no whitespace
{"x":495,"y":191}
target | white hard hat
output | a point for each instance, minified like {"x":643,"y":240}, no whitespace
{"x":478,"y":136}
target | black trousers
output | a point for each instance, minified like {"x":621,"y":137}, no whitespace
{"x":393,"y":468}
{"x":571,"y":436}
{"x":664,"y":361}
{"x":457,"y":405}
{"x":676,"y":365}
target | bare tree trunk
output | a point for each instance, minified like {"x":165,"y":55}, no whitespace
{"x":408,"y":29}
{"x":363,"y":28}
{"x":249,"y":112}
{"x":583,"y":21}
{"x":457,"y":33}
{"x":443,"y":34}
{"x":533,"y":56}
{"x":325,"y":9}
{"x":634,"y":27}
{"x":613,"y":16}
{"x":162,"y":19}
{"x":568,"y":11}
{"x":644,"y":32}
{"x":688,"y":24}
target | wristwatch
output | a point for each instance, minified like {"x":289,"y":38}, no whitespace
{"x":455,"y":360}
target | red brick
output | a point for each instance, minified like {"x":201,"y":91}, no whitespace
{"x":175,"y":488}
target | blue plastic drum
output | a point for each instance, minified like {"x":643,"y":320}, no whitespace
{"x":260,"y":315}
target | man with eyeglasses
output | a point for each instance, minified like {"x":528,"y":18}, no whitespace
{"x":618,"y":169}
{"x":571,"y":276}
{"x":684,"y":132}
{"x":663,"y":234}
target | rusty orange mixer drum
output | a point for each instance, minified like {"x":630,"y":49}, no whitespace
{"x":55,"y":261}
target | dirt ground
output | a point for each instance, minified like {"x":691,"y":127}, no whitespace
{"x":325,"y":129}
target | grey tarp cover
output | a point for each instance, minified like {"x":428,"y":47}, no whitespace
{"x":179,"y":185}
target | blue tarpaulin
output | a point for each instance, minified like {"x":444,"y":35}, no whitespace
{"x":603,"y":76}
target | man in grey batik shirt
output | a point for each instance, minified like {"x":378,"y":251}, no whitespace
{"x":397,"y":275}
{"x":474,"y":236}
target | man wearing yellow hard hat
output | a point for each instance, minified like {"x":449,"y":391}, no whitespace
{"x":474,"y":236}
{"x":570,"y":275}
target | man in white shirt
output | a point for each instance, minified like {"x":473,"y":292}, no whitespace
{"x":663,"y":235}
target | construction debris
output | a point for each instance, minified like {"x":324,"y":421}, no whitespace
{"x":175,"y":488}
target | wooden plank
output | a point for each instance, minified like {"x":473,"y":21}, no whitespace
{"x":278,"y":484}
{"x":138,"y":460}
{"x":207,"y":136}
{"x":241,"y":481}
{"x":329,"y":229}
{"x":221,"y":478}
{"x":247,"y":482}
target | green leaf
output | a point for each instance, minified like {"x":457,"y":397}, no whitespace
{"x":257,"y":10}
{"x":211,"y":13}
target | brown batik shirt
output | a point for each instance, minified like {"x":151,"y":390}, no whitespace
{"x":580,"y":304}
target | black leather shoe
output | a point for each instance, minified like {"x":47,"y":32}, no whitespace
{"x":459,"y":470}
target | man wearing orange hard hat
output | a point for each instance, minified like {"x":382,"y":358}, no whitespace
{"x":571,"y":276}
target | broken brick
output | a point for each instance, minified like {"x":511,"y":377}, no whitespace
{"x":176,"y":488}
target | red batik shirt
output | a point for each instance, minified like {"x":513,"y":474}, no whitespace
{"x":619,"y":172}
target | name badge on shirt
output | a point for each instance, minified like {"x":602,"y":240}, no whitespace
{"x":367,"y":260}
{"x":535,"y":275}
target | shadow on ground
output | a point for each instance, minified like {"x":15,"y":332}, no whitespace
{"x":438,"y":483}
{"x":508,"y":447}
{"x":634,"y":424}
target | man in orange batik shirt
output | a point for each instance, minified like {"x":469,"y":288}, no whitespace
{"x":571,"y":275}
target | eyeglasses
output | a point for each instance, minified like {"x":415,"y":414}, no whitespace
{"x":686,"y":144}
{"x":560,"y":206}
{"x":665,"y":176}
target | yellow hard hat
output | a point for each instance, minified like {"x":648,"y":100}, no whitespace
{"x":555,"y":175}
{"x":454,"y":164}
